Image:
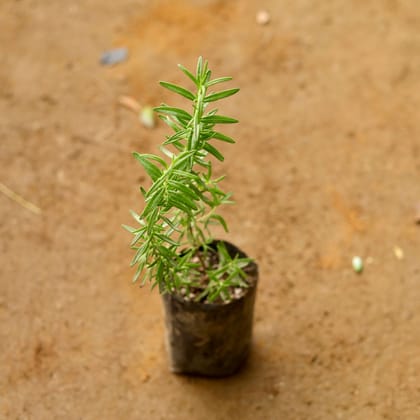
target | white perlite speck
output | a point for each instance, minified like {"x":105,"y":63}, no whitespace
{"x":357,"y":264}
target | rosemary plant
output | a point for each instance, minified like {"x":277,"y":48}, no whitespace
{"x":173,"y":243}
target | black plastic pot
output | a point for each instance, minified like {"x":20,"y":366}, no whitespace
{"x":210,"y":339}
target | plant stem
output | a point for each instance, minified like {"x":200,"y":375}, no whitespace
{"x":196,"y":245}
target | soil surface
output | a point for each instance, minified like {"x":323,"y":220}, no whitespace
{"x":326,"y":167}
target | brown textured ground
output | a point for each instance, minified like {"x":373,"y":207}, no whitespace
{"x":327,"y":166}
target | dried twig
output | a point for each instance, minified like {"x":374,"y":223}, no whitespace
{"x":129,"y":103}
{"x":20,"y":200}
{"x":144,"y":113}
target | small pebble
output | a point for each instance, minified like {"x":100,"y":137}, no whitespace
{"x":398,"y":252}
{"x":145,"y":377}
{"x":357,"y":264}
{"x":263,"y":17}
{"x":115,"y":56}
{"x":417,"y":213}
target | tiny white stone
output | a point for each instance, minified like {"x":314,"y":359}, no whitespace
{"x":357,"y":263}
{"x":263,"y":17}
{"x":398,"y":252}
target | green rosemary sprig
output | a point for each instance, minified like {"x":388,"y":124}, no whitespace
{"x":182,"y":202}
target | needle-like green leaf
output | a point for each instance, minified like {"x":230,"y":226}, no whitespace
{"x":219,"y":80}
{"x":220,"y":95}
{"x":212,"y":150}
{"x":179,"y":186}
{"x":199,"y":70}
{"x":152,"y":170}
{"x":218,"y":119}
{"x":220,"y":220}
{"x":179,"y":90}
{"x":222,"y":137}
{"x":176,"y":112}
{"x":179,"y":135}
{"x":129,"y":228}
{"x":188,"y":73}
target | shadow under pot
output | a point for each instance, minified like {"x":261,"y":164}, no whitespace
{"x":211,"y":339}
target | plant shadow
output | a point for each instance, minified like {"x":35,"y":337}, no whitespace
{"x":252,"y":392}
